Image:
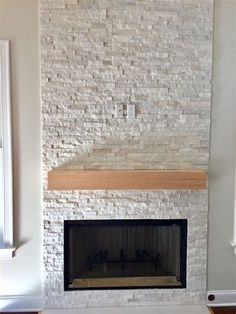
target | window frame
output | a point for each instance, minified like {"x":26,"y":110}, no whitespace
{"x":6,"y":206}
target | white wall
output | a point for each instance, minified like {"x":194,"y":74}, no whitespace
{"x":222,"y":261}
{"x":19,"y":21}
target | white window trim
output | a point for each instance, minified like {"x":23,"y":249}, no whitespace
{"x":6,"y":205}
{"x":233,"y":243}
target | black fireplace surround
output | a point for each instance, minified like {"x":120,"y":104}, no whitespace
{"x":125,"y":254}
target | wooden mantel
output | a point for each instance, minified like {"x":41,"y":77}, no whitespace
{"x":61,"y":179}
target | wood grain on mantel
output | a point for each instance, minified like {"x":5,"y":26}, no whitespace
{"x":61,"y":179}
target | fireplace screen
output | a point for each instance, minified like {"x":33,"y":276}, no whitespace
{"x":111,"y":254}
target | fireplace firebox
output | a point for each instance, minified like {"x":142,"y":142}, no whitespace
{"x":121,"y":254}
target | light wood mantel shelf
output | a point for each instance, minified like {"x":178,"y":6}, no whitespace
{"x":61,"y":179}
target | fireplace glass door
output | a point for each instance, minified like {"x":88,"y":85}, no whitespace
{"x":112,"y":254}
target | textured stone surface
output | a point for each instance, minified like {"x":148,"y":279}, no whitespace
{"x":133,"y":204}
{"x":95,"y":56}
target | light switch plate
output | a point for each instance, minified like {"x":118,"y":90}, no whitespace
{"x":119,"y":111}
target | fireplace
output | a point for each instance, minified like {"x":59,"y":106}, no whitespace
{"x":99,"y":60}
{"x":121,"y":254}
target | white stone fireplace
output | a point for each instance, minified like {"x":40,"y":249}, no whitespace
{"x":125,"y":85}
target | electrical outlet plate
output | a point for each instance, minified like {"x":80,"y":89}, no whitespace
{"x":130,"y":111}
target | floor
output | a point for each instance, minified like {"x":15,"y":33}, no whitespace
{"x":224,"y":310}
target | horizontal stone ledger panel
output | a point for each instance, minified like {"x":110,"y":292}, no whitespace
{"x":60,"y":179}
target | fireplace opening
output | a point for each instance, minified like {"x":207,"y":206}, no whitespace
{"x":121,"y":254}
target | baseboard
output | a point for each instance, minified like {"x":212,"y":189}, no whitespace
{"x":21,"y":303}
{"x":221,"y":298}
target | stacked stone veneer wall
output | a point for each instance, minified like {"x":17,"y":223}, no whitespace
{"x":96,"y":55}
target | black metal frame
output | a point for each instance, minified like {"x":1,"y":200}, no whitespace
{"x":183,"y":223}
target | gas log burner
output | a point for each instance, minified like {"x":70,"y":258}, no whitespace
{"x":116,"y":254}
